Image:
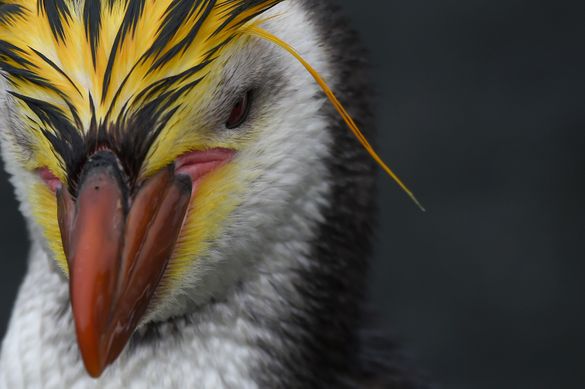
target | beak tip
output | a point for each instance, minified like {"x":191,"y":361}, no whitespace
{"x":91,"y":354}
{"x":97,"y":353}
{"x":95,"y":372}
{"x":94,"y":366}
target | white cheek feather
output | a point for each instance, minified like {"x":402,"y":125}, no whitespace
{"x":268,"y":233}
{"x":21,"y":179}
{"x":286,"y":160}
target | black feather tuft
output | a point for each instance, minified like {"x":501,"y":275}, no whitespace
{"x":57,"y":12}
{"x":133,"y":13}
{"x":92,"y":18}
{"x":206,"y":8}
{"x":9,"y":12}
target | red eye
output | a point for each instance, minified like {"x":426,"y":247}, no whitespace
{"x":49,"y":179}
{"x":240,"y":111}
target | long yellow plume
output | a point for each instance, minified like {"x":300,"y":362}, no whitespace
{"x":261,"y":33}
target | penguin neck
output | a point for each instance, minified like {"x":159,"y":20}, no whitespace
{"x":271,"y":331}
{"x":215,"y":348}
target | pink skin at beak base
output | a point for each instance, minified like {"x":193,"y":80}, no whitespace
{"x":198,"y":164}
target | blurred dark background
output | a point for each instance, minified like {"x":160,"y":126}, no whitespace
{"x":481,"y":111}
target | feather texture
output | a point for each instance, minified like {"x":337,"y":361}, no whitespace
{"x":76,"y":94}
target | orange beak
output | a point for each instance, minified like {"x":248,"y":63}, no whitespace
{"x":117,"y":246}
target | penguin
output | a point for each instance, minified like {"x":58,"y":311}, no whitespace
{"x":198,"y":187}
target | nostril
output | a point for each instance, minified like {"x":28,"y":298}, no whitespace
{"x":49,"y":179}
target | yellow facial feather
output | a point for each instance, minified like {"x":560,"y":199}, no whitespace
{"x":44,"y":209}
{"x":104,"y":60}
{"x":214,"y":200}
{"x":98,"y":65}
{"x":74,"y":66}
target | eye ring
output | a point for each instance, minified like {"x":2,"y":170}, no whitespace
{"x":240,"y":111}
